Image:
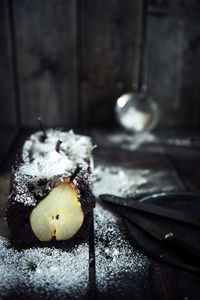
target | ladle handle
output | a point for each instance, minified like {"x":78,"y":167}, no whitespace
{"x":142,"y":77}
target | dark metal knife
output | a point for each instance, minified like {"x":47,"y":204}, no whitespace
{"x":154,"y":209}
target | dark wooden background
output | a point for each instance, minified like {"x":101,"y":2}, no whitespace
{"x":68,"y":61}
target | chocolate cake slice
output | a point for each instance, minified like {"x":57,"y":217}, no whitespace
{"x":51,"y":188}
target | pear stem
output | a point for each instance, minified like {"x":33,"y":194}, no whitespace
{"x":59,"y":142}
{"x":41,"y":124}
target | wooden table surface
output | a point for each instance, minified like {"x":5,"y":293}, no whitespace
{"x":111,"y":266}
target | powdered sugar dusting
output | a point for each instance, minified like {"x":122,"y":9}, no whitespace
{"x":49,"y":273}
{"x":49,"y":165}
{"x":125,"y":141}
{"x":118,"y":180}
{"x":116,"y":258}
{"x":126,"y":182}
{"x":77,"y":147}
{"x":40,"y":272}
{"x":43,"y":167}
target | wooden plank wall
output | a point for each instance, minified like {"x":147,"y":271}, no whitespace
{"x":8,"y":111}
{"x":110,"y":40}
{"x":46,"y":60}
{"x":174,"y":59}
{"x":68,"y":61}
{"x":9,"y":114}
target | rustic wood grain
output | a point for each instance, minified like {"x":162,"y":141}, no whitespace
{"x":13,"y":141}
{"x":176,"y":167}
{"x":190,"y":75}
{"x":7,"y":138}
{"x":187,"y":162}
{"x":110,"y":40}
{"x":165,"y":46}
{"x":162,"y":176}
{"x":8,"y":117}
{"x":177,"y":284}
{"x":46,"y":57}
{"x":173,"y":59}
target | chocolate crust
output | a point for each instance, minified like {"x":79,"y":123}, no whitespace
{"x":18,"y":214}
{"x":23,"y":199}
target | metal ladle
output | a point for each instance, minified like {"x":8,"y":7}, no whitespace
{"x":137,"y":111}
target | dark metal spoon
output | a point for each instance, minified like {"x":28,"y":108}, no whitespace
{"x":155,"y":209}
{"x":167,"y":237}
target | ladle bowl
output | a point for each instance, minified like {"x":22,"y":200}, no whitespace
{"x":137,"y":112}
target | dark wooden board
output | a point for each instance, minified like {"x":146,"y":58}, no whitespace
{"x":187,"y":162}
{"x":161,"y":281}
{"x":160,"y":175}
{"x":46,"y":61}
{"x":115,"y":267}
{"x":172,"y":283}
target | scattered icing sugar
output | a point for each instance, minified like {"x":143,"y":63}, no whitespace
{"x":49,"y":273}
{"x":132,"y":141}
{"x":116,"y":259}
{"x":43,"y":167}
{"x":55,"y":273}
{"x":121,"y":181}
{"x":73,"y":145}
{"x":126,"y":141}
{"x":117,"y":180}
{"x":39,"y":272}
{"x":52,"y":164}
